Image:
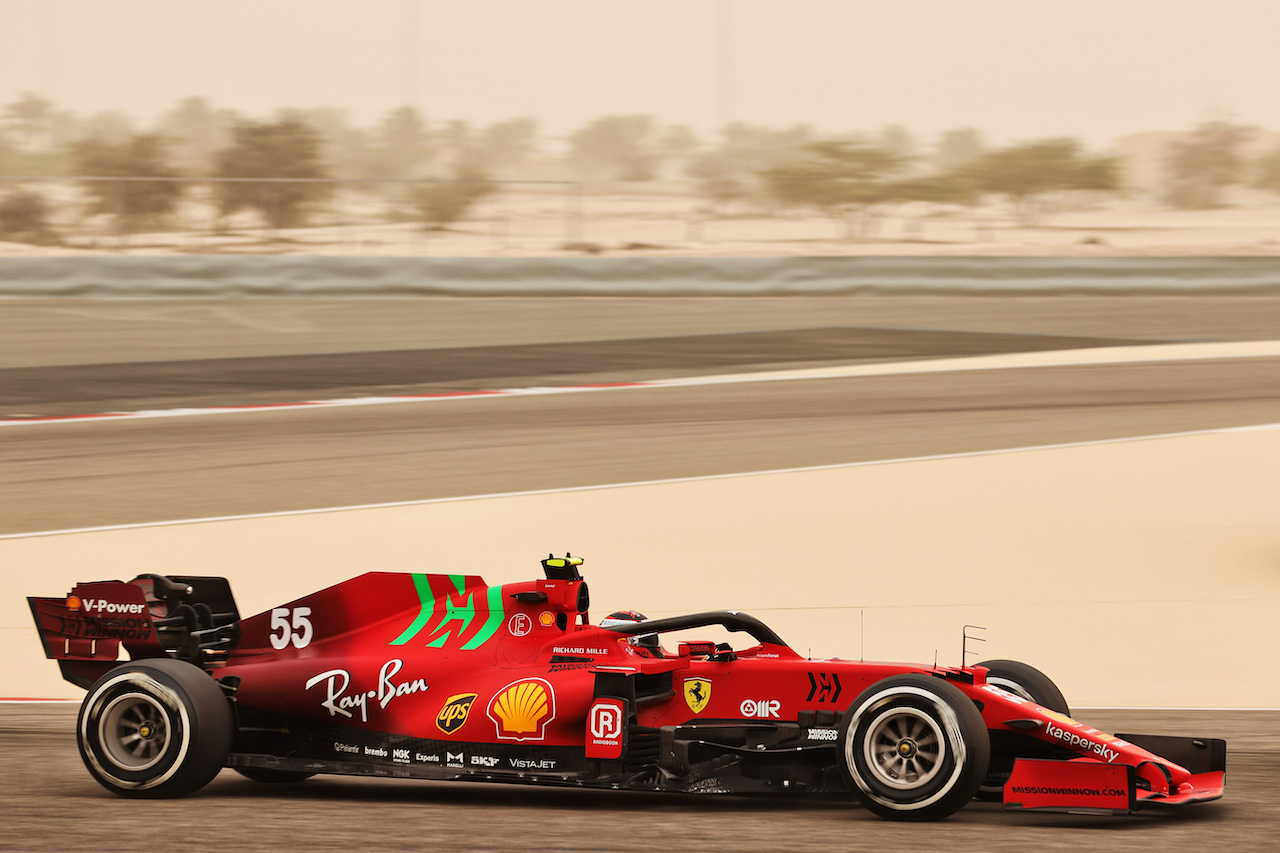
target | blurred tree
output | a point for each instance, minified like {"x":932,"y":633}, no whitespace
{"x":287,"y":148}
{"x":1203,"y":165}
{"x":24,"y":218}
{"x":621,"y":148}
{"x":30,"y":118}
{"x":1026,"y":174}
{"x":35,"y":137}
{"x":196,"y":132}
{"x":937,"y":188}
{"x":109,"y":128}
{"x":899,"y":140}
{"x":8,"y":156}
{"x":679,"y":142}
{"x":135,"y":204}
{"x":957,"y":147}
{"x":678,"y":148}
{"x":456,"y":136}
{"x":717,"y":179}
{"x":403,"y":144}
{"x":1266,"y":172}
{"x":731,"y":171}
{"x":442,"y":203}
{"x":845,"y":179}
{"x":346,"y":152}
{"x":505,"y":144}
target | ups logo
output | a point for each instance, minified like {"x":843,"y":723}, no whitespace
{"x":454,"y":713}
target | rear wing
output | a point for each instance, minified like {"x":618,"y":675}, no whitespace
{"x":189,"y":618}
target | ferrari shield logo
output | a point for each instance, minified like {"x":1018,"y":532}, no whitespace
{"x":697,"y":692}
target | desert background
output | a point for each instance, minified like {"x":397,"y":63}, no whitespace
{"x":703,"y":128}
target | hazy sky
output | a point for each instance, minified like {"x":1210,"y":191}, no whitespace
{"x":1018,"y":69}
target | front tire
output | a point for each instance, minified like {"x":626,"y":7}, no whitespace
{"x":154,"y":729}
{"x":913,"y":747}
{"x":1030,"y":683}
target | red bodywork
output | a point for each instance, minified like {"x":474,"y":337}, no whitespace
{"x":386,"y":673}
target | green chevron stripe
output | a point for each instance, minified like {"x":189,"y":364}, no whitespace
{"x":423,"y":586}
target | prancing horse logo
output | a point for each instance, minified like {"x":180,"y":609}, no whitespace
{"x":697,"y":692}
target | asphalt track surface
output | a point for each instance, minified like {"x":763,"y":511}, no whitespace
{"x":59,"y":359}
{"x":51,"y":804}
{"x":64,"y":357}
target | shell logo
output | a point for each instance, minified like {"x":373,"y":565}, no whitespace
{"x":73,"y":602}
{"x":522,"y":709}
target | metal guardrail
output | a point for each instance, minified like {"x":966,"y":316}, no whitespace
{"x":213,"y":275}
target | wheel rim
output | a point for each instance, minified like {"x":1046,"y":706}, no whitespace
{"x":904,"y":748}
{"x":133,"y":731}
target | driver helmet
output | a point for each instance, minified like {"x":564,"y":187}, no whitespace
{"x":631,"y":617}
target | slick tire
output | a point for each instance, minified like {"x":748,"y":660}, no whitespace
{"x":913,"y":747}
{"x":1029,"y":683}
{"x":154,"y":729}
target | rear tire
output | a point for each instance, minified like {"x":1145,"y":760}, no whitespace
{"x":1030,"y":683}
{"x":154,"y":729}
{"x":913,"y":747}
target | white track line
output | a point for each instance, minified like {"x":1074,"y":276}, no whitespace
{"x":1013,"y":361}
{"x":568,"y":489}
{"x":1017,"y":361}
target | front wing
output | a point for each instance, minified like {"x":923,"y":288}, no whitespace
{"x":1090,"y":786}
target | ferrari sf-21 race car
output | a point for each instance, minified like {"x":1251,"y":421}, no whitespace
{"x":438,"y":676}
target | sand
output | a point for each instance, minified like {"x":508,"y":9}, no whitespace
{"x":1140,"y":573}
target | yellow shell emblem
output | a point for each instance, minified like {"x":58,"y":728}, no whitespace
{"x":522,"y":710}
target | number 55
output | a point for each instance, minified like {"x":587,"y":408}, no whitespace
{"x":299,"y":632}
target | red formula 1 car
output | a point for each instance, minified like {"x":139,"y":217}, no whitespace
{"x":445,"y":677}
